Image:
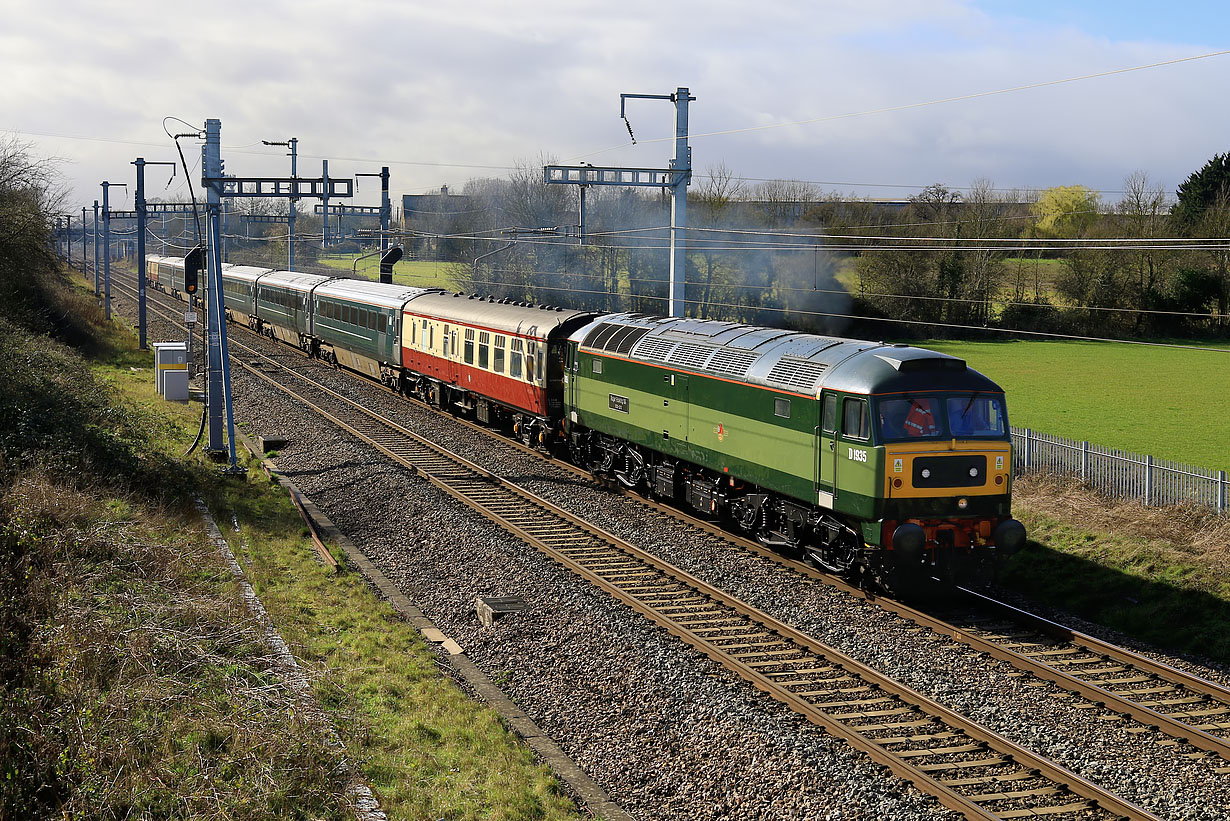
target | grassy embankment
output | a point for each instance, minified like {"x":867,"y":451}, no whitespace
{"x":1159,"y":574}
{"x":132,"y":678}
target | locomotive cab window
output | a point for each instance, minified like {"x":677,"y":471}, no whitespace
{"x":854,"y":423}
{"x":781,"y":407}
{"x":828,"y":422}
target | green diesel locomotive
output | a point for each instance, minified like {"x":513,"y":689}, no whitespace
{"x":868,"y":459}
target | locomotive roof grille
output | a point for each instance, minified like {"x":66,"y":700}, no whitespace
{"x":732,"y":363}
{"x":799,"y":374}
{"x":654,"y":348}
{"x":690,"y":355}
{"x":598,"y":336}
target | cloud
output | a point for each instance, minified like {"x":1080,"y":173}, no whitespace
{"x":487,"y":82}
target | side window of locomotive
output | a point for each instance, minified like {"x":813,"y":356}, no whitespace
{"x":484,"y":349}
{"x":469,"y":351}
{"x":854,"y":423}
{"x":781,"y":407}
{"x":828,"y":422}
{"x":497,"y":352}
{"x":514,"y":359}
{"x":596,"y":364}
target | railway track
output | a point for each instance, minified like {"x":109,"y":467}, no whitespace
{"x":968,"y":768}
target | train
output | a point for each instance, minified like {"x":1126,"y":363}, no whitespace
{"x":886,"y":463}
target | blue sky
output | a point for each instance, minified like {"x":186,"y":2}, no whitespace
{"x":1175,"y":22}
{"x":447,"y":92}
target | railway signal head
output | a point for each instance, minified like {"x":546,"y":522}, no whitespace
{"x":194,"y":263}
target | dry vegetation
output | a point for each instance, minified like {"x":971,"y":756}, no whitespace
{"x":1190,"y":532}
{"x":1160,"y":574}
{"x":135,"y":682}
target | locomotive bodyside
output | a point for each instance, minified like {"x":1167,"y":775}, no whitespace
{"x":792,"y":437}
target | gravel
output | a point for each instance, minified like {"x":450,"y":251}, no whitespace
{"x":668,"y":733}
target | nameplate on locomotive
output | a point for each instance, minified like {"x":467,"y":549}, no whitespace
{"x":619,"y":403}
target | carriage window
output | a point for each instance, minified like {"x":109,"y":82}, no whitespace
{"x":781,"y":407}
{"x":854,"y":418}
{"x":484,"y":347}
{"x":514,"y":364}
{"x":540,"y":363}
{"x":469,"y":356}
{"x":498,"y":354}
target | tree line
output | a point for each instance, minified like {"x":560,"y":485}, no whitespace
{"x":943,"y":262}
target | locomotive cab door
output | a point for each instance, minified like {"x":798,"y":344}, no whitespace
{"x":826,"y":451}
{"x":676,"y":407}
{"x":570,"y":377}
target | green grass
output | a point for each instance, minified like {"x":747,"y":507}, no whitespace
{"x":420,"y":273}
{"x":1168,"y":402}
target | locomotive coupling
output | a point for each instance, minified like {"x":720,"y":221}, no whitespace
{"x":1009,"y":536}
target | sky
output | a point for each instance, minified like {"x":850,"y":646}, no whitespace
{"x":446,"y":92}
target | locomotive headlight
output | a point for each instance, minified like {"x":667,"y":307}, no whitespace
{"x":962,"y":503}
{"x":926,"y":473}
{"x":973,"y":471}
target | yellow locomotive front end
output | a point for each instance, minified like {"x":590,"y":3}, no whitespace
{"x":947,"y":482}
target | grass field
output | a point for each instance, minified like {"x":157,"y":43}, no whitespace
{"x":1167,"y":402}
{"x":421,"y":273}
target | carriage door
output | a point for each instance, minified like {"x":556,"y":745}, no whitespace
{"x":826,"y":451}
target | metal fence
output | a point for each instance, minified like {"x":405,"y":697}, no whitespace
{"x":1119,"y":473}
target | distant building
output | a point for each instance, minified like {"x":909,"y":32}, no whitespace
{"x":430,"y":214}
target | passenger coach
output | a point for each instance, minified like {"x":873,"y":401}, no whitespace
{"x":501,"y":360}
